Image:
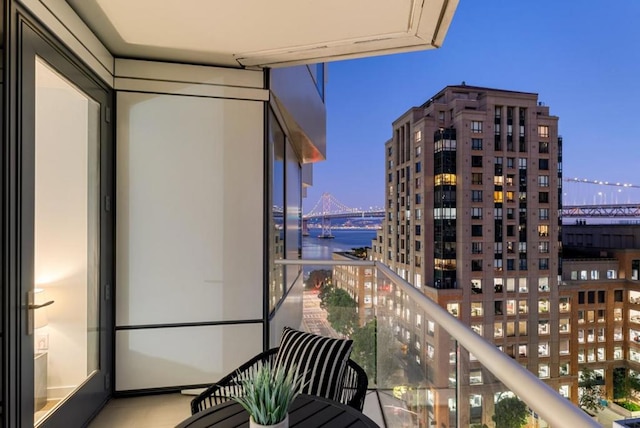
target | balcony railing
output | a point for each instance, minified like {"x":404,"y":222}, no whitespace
{"x":428,"y":368}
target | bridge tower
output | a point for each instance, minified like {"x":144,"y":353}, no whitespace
{"x":326,"y":220}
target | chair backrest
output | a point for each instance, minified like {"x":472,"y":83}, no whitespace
{"x":354,"y":384}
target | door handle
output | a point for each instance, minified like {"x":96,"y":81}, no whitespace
{"x":31,"y":307}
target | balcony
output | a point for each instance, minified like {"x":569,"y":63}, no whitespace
{"x":425,"y":367}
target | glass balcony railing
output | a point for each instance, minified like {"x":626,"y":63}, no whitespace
{"x":427,"y":368}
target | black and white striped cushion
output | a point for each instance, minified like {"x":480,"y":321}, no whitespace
{"x":321,"y":359}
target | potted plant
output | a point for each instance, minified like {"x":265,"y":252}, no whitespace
{"x":267,"y":394}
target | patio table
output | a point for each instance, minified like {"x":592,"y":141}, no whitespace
{"x":306,"y":411}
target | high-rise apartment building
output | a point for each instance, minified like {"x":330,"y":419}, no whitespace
{"x":473,"y":190}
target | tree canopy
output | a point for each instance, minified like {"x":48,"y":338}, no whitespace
{"x":341,"y":309}
{"x":510,"y":412}
{"x":590,"y":390}
{"x":318,"y":278}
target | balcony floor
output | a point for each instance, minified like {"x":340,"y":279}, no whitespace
{"x":151,"y":411}
{"x":167,"y":410}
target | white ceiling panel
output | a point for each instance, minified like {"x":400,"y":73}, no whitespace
{"x":265,"y":32}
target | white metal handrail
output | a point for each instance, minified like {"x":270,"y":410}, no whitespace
{"x":548,"y":403}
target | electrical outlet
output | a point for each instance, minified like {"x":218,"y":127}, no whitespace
{"x":42,"y":342}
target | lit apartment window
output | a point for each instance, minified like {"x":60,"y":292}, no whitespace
{"x":543,"y":371}
{"x":510,"y":196}
{"x":543,"y":230}
{"x":617,"y":353}
{"x":497,"y":329}
{"x":453,"y":309}
{"x":564,"y":325}
{"x":601,"y":334}
{"x":543,"y":131}
{"x":564,"y":304}
{"x":497,"y":196}
{"x":522,"y":328}
{"x":543,"y":181}
{"x":543,"y":327}
{"x":476,"y":126}
{"x":523,"y":308}
{"x":418,"y":135}
{"x":564,"y":369}
{"x":476,"y":309}
{"x":543,"y":284}
{"x":446,"y":179}
{"x":522,"y":284}
{"x":617,"y":314}
{"x":543,"y":306}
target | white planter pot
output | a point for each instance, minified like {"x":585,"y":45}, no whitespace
{"x":282,"y":424}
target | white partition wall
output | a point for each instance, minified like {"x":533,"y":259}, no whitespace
{"x":189,"y":285}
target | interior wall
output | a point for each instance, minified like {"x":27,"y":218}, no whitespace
{"x":190,"y":227}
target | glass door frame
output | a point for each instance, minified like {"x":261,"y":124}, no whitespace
{"x":28,"y":40}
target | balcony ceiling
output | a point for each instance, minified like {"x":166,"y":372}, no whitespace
{"x":267,"y":33}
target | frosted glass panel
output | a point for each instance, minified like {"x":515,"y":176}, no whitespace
{"x":183,"y":356}
{"x":190,"y":204}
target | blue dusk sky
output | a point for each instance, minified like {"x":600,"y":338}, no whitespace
{"x":581,"y":57}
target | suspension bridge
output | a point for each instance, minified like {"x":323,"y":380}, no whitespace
{"x":582,"y":198}
{"x":328,"y":208}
